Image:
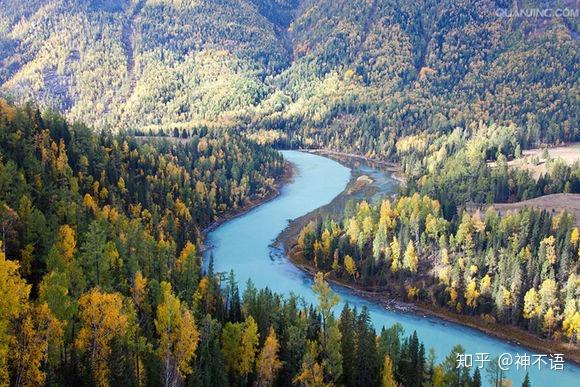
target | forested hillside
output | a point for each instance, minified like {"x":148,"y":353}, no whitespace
{"x":519,"y":269}
{"x":60,"y":180}
{"x":102,"y":283}
{"x":352,"y":75}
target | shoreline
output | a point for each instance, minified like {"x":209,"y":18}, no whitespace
{"x":289,"y":173}
{"x":511,"y":334}
{"x":394,"y":168}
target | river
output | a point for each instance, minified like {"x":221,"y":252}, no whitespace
{"x":243,"y":245}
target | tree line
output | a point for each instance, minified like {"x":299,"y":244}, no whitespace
{"x":519,"y":269}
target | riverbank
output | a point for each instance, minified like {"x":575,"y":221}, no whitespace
{"x":507,"y":333}
{"x":286,"y":240}
{"x":286,"y":178}
{"x":395,"y":169}
{"x":334,"y":209}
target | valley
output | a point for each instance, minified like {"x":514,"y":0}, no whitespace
{"x":308,"y":193}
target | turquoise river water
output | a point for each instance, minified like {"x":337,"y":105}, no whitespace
{"x":243,"y":245}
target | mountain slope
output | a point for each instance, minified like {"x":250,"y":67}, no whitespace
{"x":429,"y":66}
{"x":137,"y":63}
{"x":352,"y":73}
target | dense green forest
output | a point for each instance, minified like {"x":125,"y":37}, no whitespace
{"x":102,"y":281}
{"x":519,"y":269}
{"x":351,"y":75}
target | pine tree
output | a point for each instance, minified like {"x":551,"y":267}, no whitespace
{"x":347,"y":329}
{"x":526,"y":382}
{"x":476,"y":380}
{"x":367,"y":360}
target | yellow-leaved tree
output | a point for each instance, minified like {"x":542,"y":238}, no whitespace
{"x":250,"y":339}
{"x":396,"y":252}
{"x":471,"y":294}
{"x":311,"y":372}
{"x":350,"y":266}
{"x":13,"y":302}
{"x":178,"y":337}
{"x":103,"y":319}
{"x":239,"y":346}
{"x":268,"y":362}
{"x":388,"y":377}
{"x":531,"y":304}
{"x":550,"y":321}
{"x":38,"y":332}
{"x":410,"y":260}
{"x":67,"y":242}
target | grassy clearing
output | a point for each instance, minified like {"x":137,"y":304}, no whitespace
{"x":535,"y":160}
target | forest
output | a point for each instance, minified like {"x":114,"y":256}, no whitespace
{"x":424,"y":246}
{"x":351,"y":75}
{"x":129,"y":128}
{"x":519,"y":269}
{"x":457,"y":168}
{"x":102,"y":278}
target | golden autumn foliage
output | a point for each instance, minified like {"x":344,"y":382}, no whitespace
{"x":467,"y":257}
{"x":178,"y":334}
{"x":531,"y":304}
{"x":188,"y":253}
{"x":396,"y":252}
{"x":485,"y":284}
{"x":549,"y":244}
{"x":239,"y":346}
{"x":13,"y":302}
{"x":350,"y":266}
{"x":139,"y":289}
{"x":571,"y":324}
{"x":311,"y":373}
{"x":548,"y":294}
{"x":388,"y":377}
{"x":452,"y":296}
{"x":410,"y":260}
{"x":103,"y":319}
{"x":412,"y":292}
{"x":471,"y":294}
{"x":90,"y":203}
{"x":67,"y":242}
{"x":37,"y":332}
{"x":268,"y":363}
{"x":575,"y":236}
{"x":327,"y":299}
